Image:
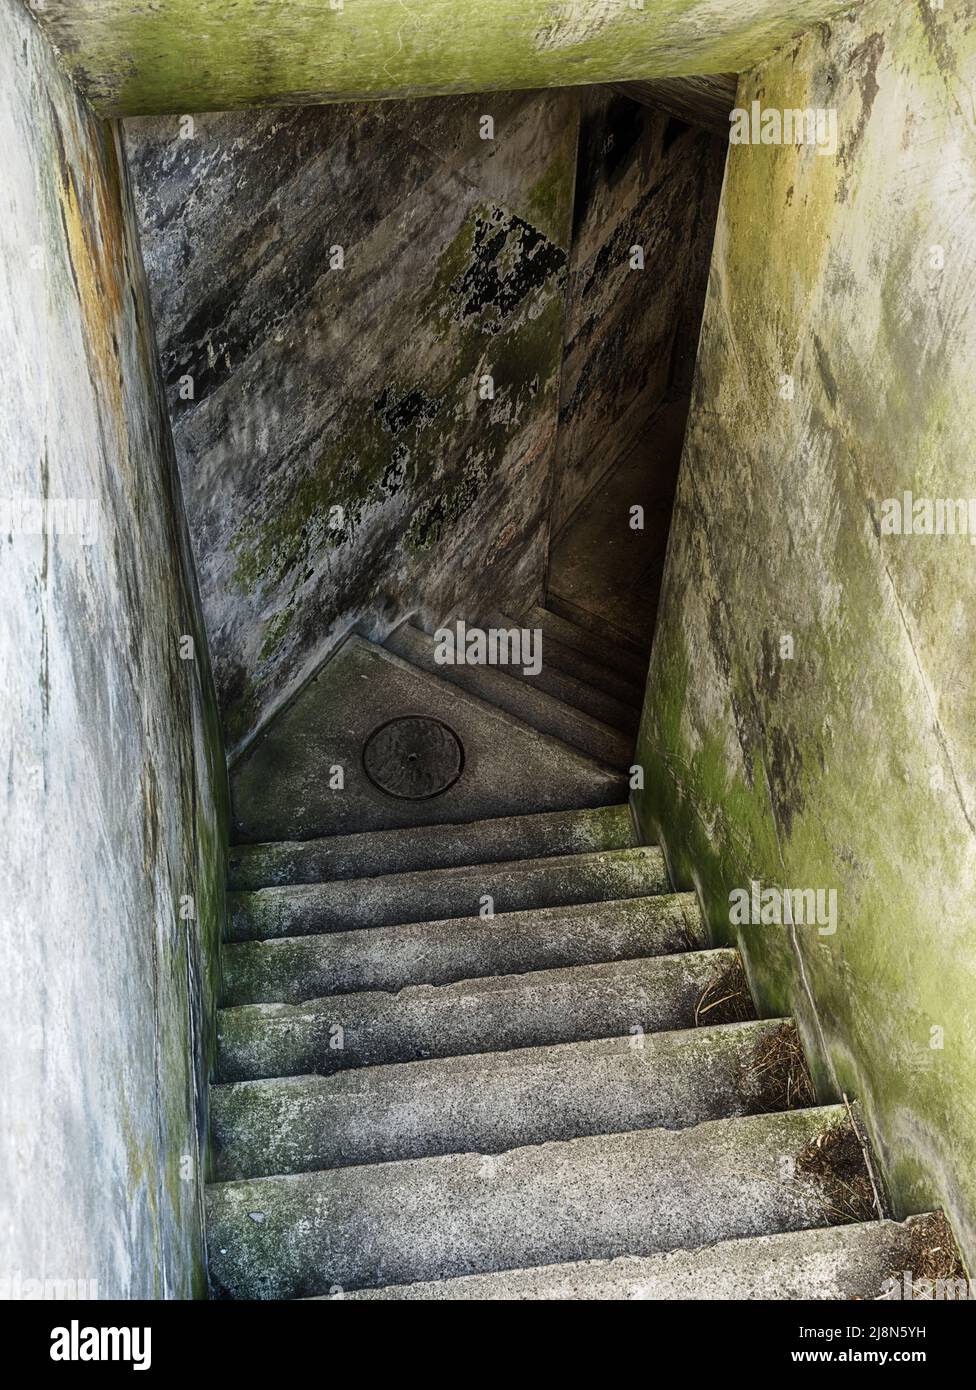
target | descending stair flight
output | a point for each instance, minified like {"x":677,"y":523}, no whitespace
{"x":474,"y":1048}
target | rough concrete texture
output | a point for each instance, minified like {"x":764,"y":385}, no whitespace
{"x":357,"y":388}
{"x":489,"y":1102}
{"x":281,"y":787}
{"x":645,"y":179}
{"x":637,"y":1193}
{"x":498,"y":1012}
{"x":833,"y":1263}
{"x":562,"y":651}
{"x":526,"y":700}
{"x":200,"y":55}
{"x":439,"y":952}
{"x":431,"y":847}
{"x":849,"y":766}
{"x":433,"y":894}
{"x":113,"y":794}
{"x":621,"y":710}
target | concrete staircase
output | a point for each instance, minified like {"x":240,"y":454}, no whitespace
{"x":570,"y":1098}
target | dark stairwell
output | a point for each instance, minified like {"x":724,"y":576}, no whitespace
{"x":457,"y":986}
{"x":555,"y":972}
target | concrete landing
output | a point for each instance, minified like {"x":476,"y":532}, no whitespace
{"x":281,"y":786}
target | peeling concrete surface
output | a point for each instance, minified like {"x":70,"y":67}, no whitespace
{"x":848,"y":766}
{"x":113,"y":791}
{"x":133,"y":58}
{"x":357,"y":388}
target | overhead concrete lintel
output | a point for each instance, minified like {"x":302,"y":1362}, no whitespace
{"x":132,"y":57}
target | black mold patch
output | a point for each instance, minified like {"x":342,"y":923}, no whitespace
{"x":511,"y":259}
{"x":674,"y":130}
{"x":412,"y":410}
{"x":606,"y":141}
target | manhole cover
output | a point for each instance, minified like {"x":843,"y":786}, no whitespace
{"x":413,"y":757}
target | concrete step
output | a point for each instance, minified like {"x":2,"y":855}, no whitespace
{"x":607,"y":647}
{"x":291,"y":969}
{"x":522,"y":698}
{"x":637,"y":653}
{"x":431,"y":847}
{"x":595,"y":671}
{"x":494,"y":1101}
{"x":618,"y":714}
{"x":432,"y":894}
{"x":577,"y":670}
{"x":495,"y":1013}
{"x":831,"y":1263}
{"x":634,"y":1194}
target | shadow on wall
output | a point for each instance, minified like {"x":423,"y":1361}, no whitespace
{"x":647,"y":195}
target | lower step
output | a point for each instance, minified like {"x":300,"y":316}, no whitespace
{"x":484,"y":1015}
{"x":296,"y":968}
{"x":431,"y":847}
{"x":392,"y":899}
{"x":494,"y":1101}
{"x":598,"y":1198}
{"x":861,"y":1261}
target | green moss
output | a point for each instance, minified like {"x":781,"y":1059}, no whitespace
{"x":549,"y":204}
{"x":190,"y":56}
{"x":275,"y":631}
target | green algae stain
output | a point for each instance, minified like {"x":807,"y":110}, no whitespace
{"x":192,"y":55}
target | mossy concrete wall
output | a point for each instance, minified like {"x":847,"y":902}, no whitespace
{"x":645,"y":179}
{"x":113,"y":792}
{"x":849,"y":764}
{"x":333,"y":288}
{"x":133,"y":58}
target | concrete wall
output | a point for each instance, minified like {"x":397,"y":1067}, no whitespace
{"x":357,"y":387}
{"x":113,"y":794}
{"x":644,"y":179}
{"x":850,"y":765}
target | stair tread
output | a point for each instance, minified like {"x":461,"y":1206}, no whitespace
{"x":636,"y":650}
{"x":825,"y":1263}
{"x":634,"y":1193}
{"x":523,"y":698}
{"x":612,"y":648}
{"x":431,"y":894}
{"x":370,"y":853}
{"x":489,"y":1102}
{"x":292,"y":969}
{"x":572,"y":674}
{"x":621,"y":714}
{"x":491,"y":1013}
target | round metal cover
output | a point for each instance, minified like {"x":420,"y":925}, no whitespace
{"x":413,"y":757}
